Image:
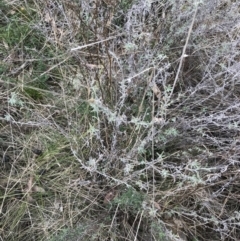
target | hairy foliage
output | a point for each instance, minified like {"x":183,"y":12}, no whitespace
{"x":119,"y":120}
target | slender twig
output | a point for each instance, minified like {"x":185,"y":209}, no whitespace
{"x":91,"y":44}
{"x":183,"y":53}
